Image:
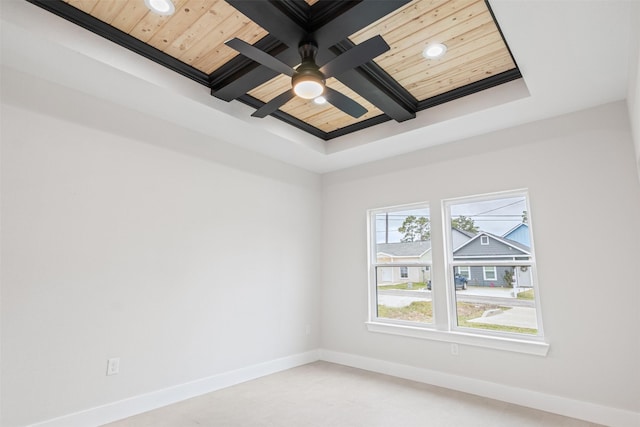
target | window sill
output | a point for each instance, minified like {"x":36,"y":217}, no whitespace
{"x":538,"y":348}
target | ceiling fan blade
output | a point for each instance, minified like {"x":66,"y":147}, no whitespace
{"x":356,"y":56}
{"x":260,"y":57}
{"x":274,"y":104}
{"x":344,"y":103}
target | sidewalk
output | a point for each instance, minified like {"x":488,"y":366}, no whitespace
{"x":400,"y":301}
{"x":522,"y":317}
{"x":486,"y":291}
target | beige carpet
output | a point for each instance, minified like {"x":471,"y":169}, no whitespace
{"x":325,"y":394}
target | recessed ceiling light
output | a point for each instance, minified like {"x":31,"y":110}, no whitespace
{"x":320,"y":100}
{"x":161,"y":7}
{"x":434,"y":50}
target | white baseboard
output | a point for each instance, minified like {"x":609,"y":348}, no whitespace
{"x":591,"y":412}
{"x":136,"y":405}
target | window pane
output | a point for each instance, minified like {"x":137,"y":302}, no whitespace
{"x":404,"y":298}
{"x":462,"y":271}
{"x":492,"y":294}
{"x":506,"y":304}
{"x":489,"y":274}
{"x":408,"y":225}
{"x":402,"y":259}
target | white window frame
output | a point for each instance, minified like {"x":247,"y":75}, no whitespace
{"x":465,"y":271}
{"x":444,"y":327}
{"x":491,"y":268}
{"x":484,"y":240}
{"x":373,"y":265}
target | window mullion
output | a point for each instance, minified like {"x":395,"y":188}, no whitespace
{"x":441,"y":298}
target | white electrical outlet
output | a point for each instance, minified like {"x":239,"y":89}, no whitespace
{"x":113,"y":366}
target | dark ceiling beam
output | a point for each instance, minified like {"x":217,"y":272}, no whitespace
{"x":471,"y":88}
{"x":364,"y":86}
{"x":273,"y":19}
{"x":373,"y":121}
{"x":354,"y":19}
{"x":376,"y":86}
{"x":297,"y":10}
{"x":289,"y":119}
{"x":369,"y":80}
{"x":324,"y":11}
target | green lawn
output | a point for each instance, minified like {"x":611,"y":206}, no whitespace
{"x":418,"y":311}
{"x":405,"y":286}
{"x":422,"y":311}
{"x":527,"y":295}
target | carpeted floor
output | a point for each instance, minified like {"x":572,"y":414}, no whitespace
{"x":329,"y":395}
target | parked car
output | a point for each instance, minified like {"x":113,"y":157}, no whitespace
{"x":461,"y":282}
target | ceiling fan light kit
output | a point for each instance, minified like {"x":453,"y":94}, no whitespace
{"x":308,"y":82}
{"x":308,"y":87}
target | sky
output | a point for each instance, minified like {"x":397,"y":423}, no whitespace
{"x":495,"y":216}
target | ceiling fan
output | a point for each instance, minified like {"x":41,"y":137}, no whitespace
{"x":308,"y":79}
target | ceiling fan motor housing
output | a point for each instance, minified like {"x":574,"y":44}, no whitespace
{"x":308,"y":70}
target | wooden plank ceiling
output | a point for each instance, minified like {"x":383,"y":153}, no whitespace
{"x":196,"y":32}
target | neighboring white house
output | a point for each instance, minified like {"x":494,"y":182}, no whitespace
{"x":404,"y":253}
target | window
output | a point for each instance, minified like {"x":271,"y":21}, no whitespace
{"x":464,"y":272}
{"x":483,"y":294}
{"x":489,"y":273}
{"x":400,"y":261}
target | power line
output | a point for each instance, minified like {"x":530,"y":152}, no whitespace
{"x":498,"y":208}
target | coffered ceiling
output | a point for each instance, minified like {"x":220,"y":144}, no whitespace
{"x":393,"y":86}
{"x":572,"y":55}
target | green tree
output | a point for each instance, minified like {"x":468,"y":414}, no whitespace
{"x":415,"y":229}
{"x":465,"y":224}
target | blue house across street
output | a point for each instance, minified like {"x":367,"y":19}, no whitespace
{"x":488,"y":247}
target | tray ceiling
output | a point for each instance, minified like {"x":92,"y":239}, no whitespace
{"x":394,"y":86}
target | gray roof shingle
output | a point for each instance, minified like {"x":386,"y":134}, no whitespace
{"x":404,"y":249}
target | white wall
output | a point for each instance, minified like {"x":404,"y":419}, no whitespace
{"x":126,"y":237}
{"x":585,"y":202}
{"x":113,"y":247}
{"x":633,"y":96}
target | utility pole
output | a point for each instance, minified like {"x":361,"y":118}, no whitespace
{"x":386,"y":228}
